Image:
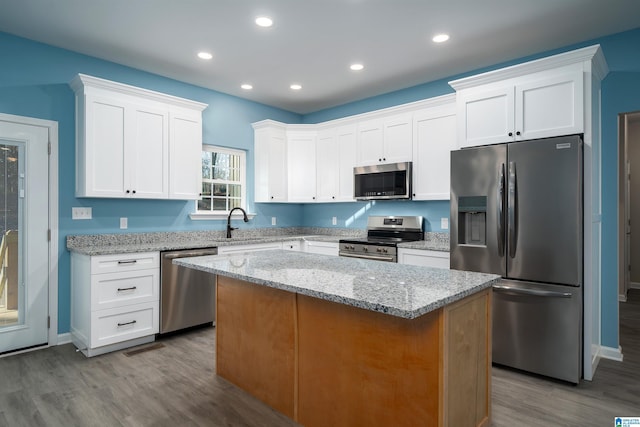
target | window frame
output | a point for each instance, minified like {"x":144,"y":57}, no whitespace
{"x":200,"y":215}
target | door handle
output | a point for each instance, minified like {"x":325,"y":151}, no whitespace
{"x":513,"y":209}
{"x":532,"y":292}
{"x":500,"y":210}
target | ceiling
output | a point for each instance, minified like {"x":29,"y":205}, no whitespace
{"x":313,"y":42}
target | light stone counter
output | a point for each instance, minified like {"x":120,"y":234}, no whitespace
{"x":400,"y":290}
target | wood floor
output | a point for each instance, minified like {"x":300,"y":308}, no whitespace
{"x":175,"y":385}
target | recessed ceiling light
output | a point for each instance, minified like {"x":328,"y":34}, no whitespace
{"x":295,"y":86}
{"x":264,"y":21}
{"x":246,"y":86}
{"x":356,"y":67}
{"x":204,"y":55}
{"x":439,"y":38}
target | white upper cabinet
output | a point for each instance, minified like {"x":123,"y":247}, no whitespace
{"x":270,"y":147}
{"x":185,"y":155}
{"x":301,"y":166}
{"x":335,"y":160}
{"x":538,"y":105}
{"x":435,"y":135}
{"x":385,"y":140}
{"x":124,"y":140}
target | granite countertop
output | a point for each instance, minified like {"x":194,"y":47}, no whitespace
{"x":400,"y":290}
{"x":106,"y":244}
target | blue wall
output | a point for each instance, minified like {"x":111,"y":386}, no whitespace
{"x":34,"y":82}
{"x":620,"y":94}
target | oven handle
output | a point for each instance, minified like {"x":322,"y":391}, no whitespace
{"x":377,"y":258}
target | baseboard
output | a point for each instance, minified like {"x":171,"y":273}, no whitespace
{"x":611,"y":353}
{"x":634,"y":285}
{"x":64,"y":338}
{"x":622,"y":298}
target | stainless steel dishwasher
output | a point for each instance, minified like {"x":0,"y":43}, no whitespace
{"x":187,"y":296}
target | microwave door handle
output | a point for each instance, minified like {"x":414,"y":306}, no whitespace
{"x":513,"y":209}
{"x":500,"y":211}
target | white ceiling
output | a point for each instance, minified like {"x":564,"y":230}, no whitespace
{"x":313,"y":42}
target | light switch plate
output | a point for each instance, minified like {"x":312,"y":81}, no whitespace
{"x":80,"y":213}
{"x":334,"y":220}
{"x":273,"y":220}
{"x":444,"y":223}
{"x":123,"y":223}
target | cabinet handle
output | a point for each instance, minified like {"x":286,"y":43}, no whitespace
{"x":128,"y":191}
{"x":333,"y":197}
{"x":127,"y":261}
{"x":134,"y":191}
{"x":384,"y":159}
{"x":518,"y":133}
{"x":132,"y":288}
{"x":313,"y":197}
{"x":127,"y":323}
{"x":379,"y":160}
{"x":510,"y":133}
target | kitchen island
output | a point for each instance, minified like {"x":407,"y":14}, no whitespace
{"x":341,"y":341}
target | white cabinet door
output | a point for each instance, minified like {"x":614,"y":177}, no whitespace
{"x":324,"y":248}
{"x":370,"y":142}
{"x":485,"y":117}
{"x":301,"y":167}
{"x":435,"y":135}
{"x":100,"y":157}
{"x":237,"y":249}
{"x":385,"y":140}
{"x":327,"y":166}
{"x":550,"y":107}
{"x":185,"y":155}
{"x":146,"y":152}
{"x":346,"y":157}
{"x":424,"y":258}
{"x":398,"y":139}
{"x":270,"y":146}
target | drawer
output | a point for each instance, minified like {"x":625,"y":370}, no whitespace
{"x":114,"y":325}
{"x":124,"y":262}
{"x":124,"y":288}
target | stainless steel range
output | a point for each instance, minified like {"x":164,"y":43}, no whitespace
{"x":383,"y":235}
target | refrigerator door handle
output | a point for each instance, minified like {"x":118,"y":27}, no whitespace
{"x":512,"y":210}
{"x":500,"y":206}
{"x":534,"y":292}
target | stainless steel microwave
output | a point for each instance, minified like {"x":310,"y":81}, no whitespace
{"x":381,"y":182}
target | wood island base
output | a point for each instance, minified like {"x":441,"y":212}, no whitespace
{"x":327,"y":364}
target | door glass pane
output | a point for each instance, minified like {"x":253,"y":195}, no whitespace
{"x":10,"y":210}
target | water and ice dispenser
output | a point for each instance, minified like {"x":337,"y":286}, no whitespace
{"x":472,"y":220}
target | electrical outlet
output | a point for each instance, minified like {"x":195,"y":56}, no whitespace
{"x":273,"y":220}
{"x":80,"y":213}
{"x":334,"y":220}
{"x":123,"y":223}
{"x":444,"y":223}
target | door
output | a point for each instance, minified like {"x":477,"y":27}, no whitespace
{"x":346,"y":139}
{"x":185,"y":154}
{"x":477,"y":209}
{"x":398,"y":139}
{"x":327,"y":166}
{"x":486,"y":117}
{"x":24,"y":268}
{"x":538,"y":328}
{"x":544,"y":214}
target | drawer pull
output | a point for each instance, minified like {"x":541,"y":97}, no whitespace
{"x":132,"y":288}
{"x":127,"y":323}
{"x":127,"y":261}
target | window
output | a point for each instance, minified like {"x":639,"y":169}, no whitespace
{"x":223,"y":180}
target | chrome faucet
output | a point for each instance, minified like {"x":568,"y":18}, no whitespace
{"x":229,"y":227}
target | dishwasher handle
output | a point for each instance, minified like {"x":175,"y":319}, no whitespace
{"x":190,"y":253}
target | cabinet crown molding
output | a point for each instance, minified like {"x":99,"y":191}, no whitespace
{"x":590,"y":53}
{"x":82,"y":81}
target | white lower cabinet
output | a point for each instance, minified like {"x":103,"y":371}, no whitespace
{"x":425,"y":258}
{"x":114,"y":301}
{"x":324,"y":248}
{"x":237,"y":249}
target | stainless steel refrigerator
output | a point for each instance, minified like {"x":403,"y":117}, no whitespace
{"x":516,"y":210}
